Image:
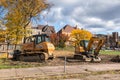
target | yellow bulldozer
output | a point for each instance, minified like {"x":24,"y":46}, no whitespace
{"x":36,"y":45}
{"x":88,"y":50}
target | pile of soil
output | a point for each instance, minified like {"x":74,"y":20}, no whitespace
{"x":116,"y":59}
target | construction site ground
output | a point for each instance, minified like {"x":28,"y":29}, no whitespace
{"x":56,"y":70}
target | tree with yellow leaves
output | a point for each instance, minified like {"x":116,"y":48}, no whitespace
{"x":2,"y":35}
{"x":24,"y":10}
{"x":78,"y":35}
{"x":20,"y":13}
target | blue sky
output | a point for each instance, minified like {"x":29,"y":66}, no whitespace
{"x":97,"y":16}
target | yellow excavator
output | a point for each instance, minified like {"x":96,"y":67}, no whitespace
{"x":88,"y":50}
{"x":36,"y":45}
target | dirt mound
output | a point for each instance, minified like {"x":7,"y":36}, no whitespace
{"x":116,"y":59}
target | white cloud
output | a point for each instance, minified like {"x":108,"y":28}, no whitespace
{"x":110,"y":24}
{"x":95,"y":15}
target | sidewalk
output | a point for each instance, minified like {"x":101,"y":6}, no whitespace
{"x":55,"y":70}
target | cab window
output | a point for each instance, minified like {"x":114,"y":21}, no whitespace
{"x":39,"y":39}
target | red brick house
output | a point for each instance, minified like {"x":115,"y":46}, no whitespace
{"x":67,"y":29}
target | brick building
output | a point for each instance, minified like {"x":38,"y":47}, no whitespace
{"x":67,"y":29}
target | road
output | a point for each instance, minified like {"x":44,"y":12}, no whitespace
{"x":73,"y":72}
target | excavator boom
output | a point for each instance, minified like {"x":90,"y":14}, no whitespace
{"x":98,"y":48}
{"x":100,"y":42}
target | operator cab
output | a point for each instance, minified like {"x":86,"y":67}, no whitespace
{"x":38,"y":38}
{"x":84,"y":43}
{"x":41,"y":38}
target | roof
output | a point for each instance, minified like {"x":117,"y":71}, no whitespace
{"x":51,"y":28}
{"x":45,"y":28}
{"x":38,"y":27}
{"x":68,"y":29}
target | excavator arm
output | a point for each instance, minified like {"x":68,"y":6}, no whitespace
{"x":98,"y":48}
{"x":100,"y":42}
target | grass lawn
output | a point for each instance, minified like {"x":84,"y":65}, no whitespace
{"x":5,"y":64}
{"x":110,"y":52}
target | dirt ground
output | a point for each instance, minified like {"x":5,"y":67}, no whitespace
{"x":99,"y":77}
{"x":107,"y":59}
{"x":60,"y":60}
{"x":104,"y":77}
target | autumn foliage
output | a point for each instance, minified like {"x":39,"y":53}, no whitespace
{"x":2,"y":35}
{"x":19,"y":14}
{"x":78,"y":35}
{"x":54,"y":39}
{"x":59,"y":40}
{"x":62,"y":40}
